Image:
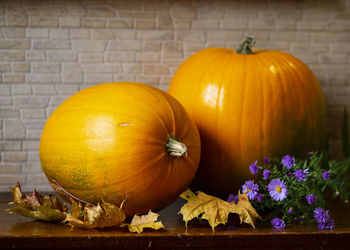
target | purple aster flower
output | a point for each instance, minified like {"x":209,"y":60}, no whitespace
{"x":311,"y":199}
{"x":266,"y":160}
{"x":300,"y":175}
{"x":289,"y":174}
{"x":290,"y":211}
{"x":277,"y":189}
{"x":278,"y":223}
{"x":288,"y":161}
{"x":266,"y":174}
{"x":326,"y":175}
{"x":309,"y":154}
{"x":254,"y":168}
{"x":259,"y":197}
{"x":323,"y":219}
{"x":232,"y":198}
{"x":251,"y":188}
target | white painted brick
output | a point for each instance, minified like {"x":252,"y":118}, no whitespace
{"x":151,"y":46}
{"x":5,"y":90}
{"x":16,"y":16}
{"x":14,"y":44}
{"x":297,"y":36}
{"x":5,"y":67}
{"x":43,"y":89}
{"x":124,"y":34}
{"x":102,"y":34}
{"x":205,"y":24}
{"x":124,"y":78}
{"x":38,"y":33}
{"x":36,"y":55}
{"x":13,"y":78}
{"x":121,"y":56}
{"x":131,"y":68}
{"x":145,"y":24}
{"x":262,"y":24}
{"x":12,"y":56}
{"x":14,"y":32}
{"x":10,"y":168}
{"x":286,"y":25}
{"x":31,"y":101}
{"x":339,"y":47}
{"x":93,"y":23}
{"x":89,"y":45}
{"x":121,"y":24}
{"x":338,"y":25}
{"x":180,"y":24}
{"x":66,"y":89}
{"x":100,"y":12}
{"x":32,"y":113}
{"x":155,"y":35}
{"x":39,"y":179}
{"x":333,"y":59}
{"x":43,"y":78}
{"x":205,"y":12}
{"x":125,"y":45}
{"x":316,"y":14}
{"x":311,"y":25}
{"x":59,"y":56}
{"x":331,"y":37}
{"x":34,"y":124}
{"x":79,"y":33}
{"x":9,"y":112}
{"x":150,"y":80}
{"x":183,"y":12}
{"x":235,"y":23}
{"x":222,"y":35}
{"x":72,"y":73}
{"x":15,"y":156}
{"x":148,"y":57}
{"x":33,"y":134}
{"x":91,"y":57}
{"x":33,"y":156}
{"x":5,"y":101}
{"x":190,"y":36}
{"x":10,"y":145}
{"x":36,"y":21}
{"x":134,"y":15}
{"x":308,"y":48}
{"x":59,"y":34}
{"x":56,"y":101}
{"x":97,"y":78}
{"x":32,"y":167}
{"x":20,"y":67}
{"x":153,"y":69}
{"x":51,"y":44}
{"x":164,"y":21}
{"x":21,"y":89}
{"x":14,"y":129}
{"x":69,"y":22}
{"x":173,"y":50}
{"x":101,"y":68}
{"x":46,"y":67}
{"x":41,"y":10}
{"x":7,"y":179}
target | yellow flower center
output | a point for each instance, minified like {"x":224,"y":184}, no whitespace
{"x":278,"y":189}
{"x":249,"y":190}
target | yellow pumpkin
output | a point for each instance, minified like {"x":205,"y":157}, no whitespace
{"x":119,"y":141}
{"x":248,"y":105}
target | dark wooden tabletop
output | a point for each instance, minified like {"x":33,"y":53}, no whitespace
{"x":17,"y":232}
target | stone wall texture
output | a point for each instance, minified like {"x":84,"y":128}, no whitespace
{"x":50,"y":49}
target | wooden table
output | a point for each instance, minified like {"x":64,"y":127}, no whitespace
{"x":17,"y":232}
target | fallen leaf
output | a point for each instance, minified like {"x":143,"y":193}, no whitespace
{"x":34,"y":205}
{"x":100,"y":216}
{"x":215,"y":210}
{"x":138,"y":223}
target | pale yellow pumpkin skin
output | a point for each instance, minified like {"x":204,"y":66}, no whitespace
{"x":248,"y":107}
{"x":107,"y":142}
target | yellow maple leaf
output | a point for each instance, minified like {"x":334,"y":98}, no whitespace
{"x":138,"y":223}
{"x":100,"y":216}
{"x":215,"y":210}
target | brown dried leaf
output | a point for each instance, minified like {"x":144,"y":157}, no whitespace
{"x":215,"y":210}
{"x":34,"y":205}
{"x":138,"y":223}
{"x":100,"y":216}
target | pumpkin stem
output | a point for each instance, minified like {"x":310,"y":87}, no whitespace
{"x":175,"y":148}
{"x":246,"y":46}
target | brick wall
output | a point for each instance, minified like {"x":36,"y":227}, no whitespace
{"x":51,"y":49}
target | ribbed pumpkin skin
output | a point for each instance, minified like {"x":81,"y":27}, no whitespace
{"x":248,"y":107}
{"x":108,"y":142}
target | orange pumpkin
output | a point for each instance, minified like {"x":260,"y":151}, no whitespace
{"x":119,"y":141}
{"x":248,"y":105}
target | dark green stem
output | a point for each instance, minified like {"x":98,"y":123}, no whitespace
{"x":246,"y":46}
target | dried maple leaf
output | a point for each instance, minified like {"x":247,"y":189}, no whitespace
{"x":138,"y":223}
{"x":215,"y":210}
{"x":34,"y":205}
{"x":100,"y":216}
